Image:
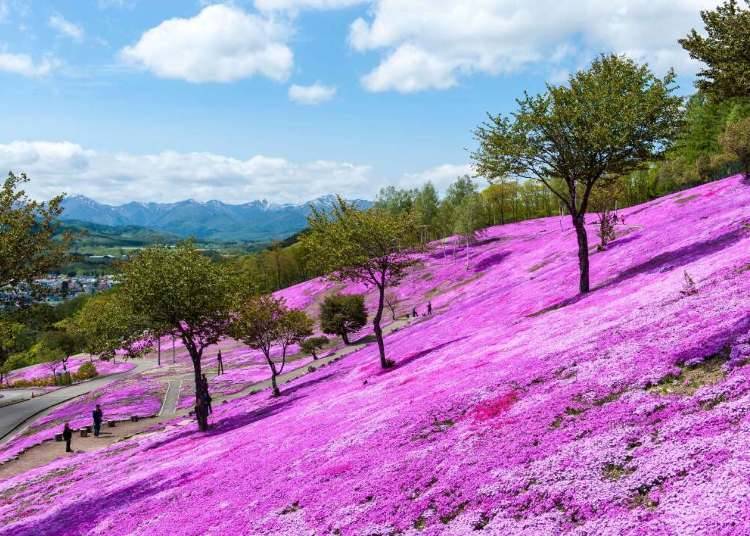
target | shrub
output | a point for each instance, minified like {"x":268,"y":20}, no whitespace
{"x":313,"y":344}
{"x":342,"y":314}
{"x":86,"y":372}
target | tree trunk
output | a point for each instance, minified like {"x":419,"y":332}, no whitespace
{"x":579,"y":222}
{"x":201,"y":413}
{"x":345,"y":338}
{"x":158,"y":353}
{"x":276,"y":391}
{"x":378,"y":330}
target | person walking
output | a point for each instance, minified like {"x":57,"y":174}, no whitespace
{"x":98,"y":416}
{"x":429,"y":308}
{"x":220,"y":363}
{"x":414,"y":312}
{"x":67,"y":436}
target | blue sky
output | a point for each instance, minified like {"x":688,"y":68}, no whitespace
{"x":288,"y":99}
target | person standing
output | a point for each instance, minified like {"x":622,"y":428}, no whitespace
{"x":205,"y":396}
{"x":220,"y":362}
{"x":67,"y":436}
{"x":429,"y":308}
{"x":98,"y":416}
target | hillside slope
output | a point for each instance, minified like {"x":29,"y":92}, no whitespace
{"x":517,"y":408}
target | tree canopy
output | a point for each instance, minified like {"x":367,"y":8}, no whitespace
{"x":373,"y":246}
{"x":264,"y":321}
{"x":607,"y":120}
{"x":723,"y":51}
{"x":180,"y":290}
{"x":28,"y":246}
{"x":342,"y":314}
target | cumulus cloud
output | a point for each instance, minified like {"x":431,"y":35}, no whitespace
{"x":440,"y":176}
{"x":115,"y":178}
{"x":296,"y":5}
{"x":66,"y":28}
{"x":25,"y":65}
{"x":430,"y":44}
{"x":314,"y":94}
{"x":222,"y":43}
{"x":56,"y":167}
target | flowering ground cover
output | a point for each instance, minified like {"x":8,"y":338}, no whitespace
{"x":236,"y":379}
{"x":517,"y":408}
{"x":41,"y":371}
{"x":135,"y":395}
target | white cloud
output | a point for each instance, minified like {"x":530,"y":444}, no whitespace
{"x":296,"y":5}
{"x":222,"y":43}
{"x":66,"y":28}
{"x":25,"y":65}
{"x":430,"y":44}
{"x":314,"y":94}
{"x":56,"y":167}
{"x":441,"y":176}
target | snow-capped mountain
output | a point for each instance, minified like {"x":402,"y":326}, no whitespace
{"x":214,"y":220}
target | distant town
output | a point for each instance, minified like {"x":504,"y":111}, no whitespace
{"x":54,"y":289}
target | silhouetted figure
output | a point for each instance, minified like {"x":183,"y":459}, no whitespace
{"x":98,"y":416}
{"x":429,"y":308}
{"x":205,"y":397}
{"x":220,"y":363}
{"x":414,"y":313}
{"x":67,"y":436}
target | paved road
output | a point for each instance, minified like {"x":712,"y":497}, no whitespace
{"x":172,"y":397}
{"x":13,"y":416}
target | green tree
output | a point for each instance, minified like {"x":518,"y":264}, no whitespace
{"x":107,"y":324}
{"x":724,"y":51}
{"x":736,"y":142}
{"x":371,"y":246}
{"x":181,"y":291}
{"x":10,"y":333}
{"x":426,"y":205}
{"x":395,"y":200}
{"x":28,"y":246}
{"x":342,"y":314}
{"x":470,"y":217}
{"x":63,"y":341}
{"x":313,"y":345}
{"x":262,"y":322}
{"x":295,"y":326}
{"x":608,"y":120}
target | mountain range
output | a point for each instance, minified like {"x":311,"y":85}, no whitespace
{"x":256,"y":221}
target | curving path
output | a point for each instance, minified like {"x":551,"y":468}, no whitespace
{"x":14,"y":416}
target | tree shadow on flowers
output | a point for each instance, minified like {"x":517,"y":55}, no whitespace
{"x":488,"y":262}
{"x":663,"y":262}
{"x":401,"y":363}
{"x":228,"y":424}
{"x":83,"y":515}
{"x":669,"y":260}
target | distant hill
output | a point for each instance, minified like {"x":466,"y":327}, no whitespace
{"x":89,"y":234}
{"x":256,"y":221}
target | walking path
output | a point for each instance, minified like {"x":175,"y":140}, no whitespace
{"x":14,"y":416}
{"x":171,"y":397}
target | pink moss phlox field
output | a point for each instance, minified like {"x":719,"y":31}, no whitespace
{"x":235,"y":380}
{"x":40,"y":371}
{"x":517,"y":408}
{"x":120,"y":400}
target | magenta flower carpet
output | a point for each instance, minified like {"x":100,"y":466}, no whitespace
{"x":518,"y":408}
